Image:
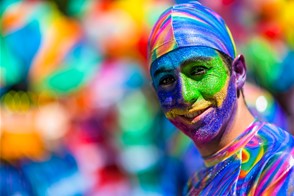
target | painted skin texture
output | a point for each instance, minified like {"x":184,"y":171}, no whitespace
{"x":194,"y":80}
{"x":190,"y":24}
{"x":257,"y":162}
{"x":189,"y":75}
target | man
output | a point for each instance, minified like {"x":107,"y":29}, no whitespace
{"x":198,"y":80}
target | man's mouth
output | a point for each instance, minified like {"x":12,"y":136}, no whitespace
{"x":194,"y":116}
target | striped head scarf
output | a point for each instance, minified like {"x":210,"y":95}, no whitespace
{"x":189,"y":24}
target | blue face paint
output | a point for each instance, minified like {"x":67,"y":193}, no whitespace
{"x":195,"y":90}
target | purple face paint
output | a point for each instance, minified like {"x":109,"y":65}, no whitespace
{"x":190,"y":78}
{"x":198,"y":94}
{"x":196,"y":91}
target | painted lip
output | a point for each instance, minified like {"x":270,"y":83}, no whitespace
{"x":194,"y":116}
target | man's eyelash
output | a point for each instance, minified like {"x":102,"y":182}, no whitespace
{"x":167,"y":80}
{"x":199,"y":70}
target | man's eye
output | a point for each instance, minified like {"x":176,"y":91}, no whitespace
{"x":197,"y":71}
{"x":167,"y":81}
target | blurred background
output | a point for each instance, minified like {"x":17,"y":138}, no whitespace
{"x":78,"y":113}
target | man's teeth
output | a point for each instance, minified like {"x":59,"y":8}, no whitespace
{"x":193,"y":115}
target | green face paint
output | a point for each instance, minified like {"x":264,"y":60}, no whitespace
{"x":195,"y":90}
{"x":205,"y":78}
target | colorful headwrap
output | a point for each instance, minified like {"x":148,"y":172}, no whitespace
{"x":189,"y":24}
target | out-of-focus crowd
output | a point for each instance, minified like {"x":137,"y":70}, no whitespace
{"x":77,"y":112}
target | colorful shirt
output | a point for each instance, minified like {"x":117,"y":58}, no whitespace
{"x":258,"y":162}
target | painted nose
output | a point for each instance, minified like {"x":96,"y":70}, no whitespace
{"x":189,"y":90}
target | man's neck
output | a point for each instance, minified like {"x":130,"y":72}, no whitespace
{"x":239,"y":124}
{"x":241,"y":120}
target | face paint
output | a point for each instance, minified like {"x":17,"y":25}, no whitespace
{"x":195,"y":90}
{"x":186,"y":25}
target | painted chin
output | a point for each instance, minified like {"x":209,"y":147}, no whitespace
{"x":190,"y":123}
{"x":195,"y":118}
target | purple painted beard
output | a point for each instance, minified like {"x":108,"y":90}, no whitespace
{"x":211,"y":126}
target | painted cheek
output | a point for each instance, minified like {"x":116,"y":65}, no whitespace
{"x":165,"y":99}
{"x":222,"y":95}
{"x":170,"y":99}
{"x":214,"y":85}
{"x":189,"y":91}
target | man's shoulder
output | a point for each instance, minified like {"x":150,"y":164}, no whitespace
{"x":273,"y":155}
{"x":264,"y":158}
{"x":274,"y":139}
{"x":269,"y":144}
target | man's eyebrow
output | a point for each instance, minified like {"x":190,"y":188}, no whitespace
{"x":161,"y":70}
{"x":195,"y":59}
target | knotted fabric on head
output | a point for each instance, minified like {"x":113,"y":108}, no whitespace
{"x":189,"y":24}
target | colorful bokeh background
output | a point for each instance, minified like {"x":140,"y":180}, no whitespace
{"x":78,"y":113}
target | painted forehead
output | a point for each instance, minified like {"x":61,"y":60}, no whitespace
{"x":176,"y":58}
{"x":189,"y":24}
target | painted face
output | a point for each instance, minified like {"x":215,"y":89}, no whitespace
{"x":196,"y":91}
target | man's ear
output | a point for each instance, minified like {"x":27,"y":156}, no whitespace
{"x":239,"y":71}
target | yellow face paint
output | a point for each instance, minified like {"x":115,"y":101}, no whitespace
{"x":195,"y":90}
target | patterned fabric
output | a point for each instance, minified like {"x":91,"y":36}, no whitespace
{"x":190,"y":25}
{"x":258,"y":162}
